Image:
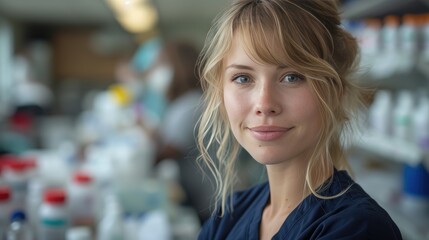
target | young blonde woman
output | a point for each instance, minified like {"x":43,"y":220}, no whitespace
{"x":276,"y":81}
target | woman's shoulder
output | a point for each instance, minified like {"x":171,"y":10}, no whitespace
{"x":364,"y":219}
{"x":355,"y":201}
{"x":358,"y":213}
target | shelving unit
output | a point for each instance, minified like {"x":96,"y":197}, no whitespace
{"x":392,"y":148}
{"x":387,"y":147}
{"x":380,"y":8}
{"x":379,"y":183}
{"x":384,"y":185}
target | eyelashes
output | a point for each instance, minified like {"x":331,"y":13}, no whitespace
{"x":296,"y":77}
{"x":289,"y":77}
{"x":241,"y":77}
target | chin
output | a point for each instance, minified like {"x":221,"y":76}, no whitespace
{"x":267,"y":159}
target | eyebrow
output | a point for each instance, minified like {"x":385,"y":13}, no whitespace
{"x":238,"y":66}
{"x":245,"y":67}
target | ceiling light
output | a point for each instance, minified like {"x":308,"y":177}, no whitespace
{"x":135,"y":16}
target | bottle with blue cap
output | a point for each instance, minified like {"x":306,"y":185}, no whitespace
{"x":19,"y":228}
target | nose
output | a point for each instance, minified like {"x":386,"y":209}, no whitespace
{"x":268,"y":102}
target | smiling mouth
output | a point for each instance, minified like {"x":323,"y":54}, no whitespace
{"x":268,"y":133}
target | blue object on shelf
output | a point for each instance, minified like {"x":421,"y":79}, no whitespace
{"x":416,"y":180}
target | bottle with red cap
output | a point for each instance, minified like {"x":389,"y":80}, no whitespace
{"x":53,"y":215}
{"x":5,"y":200}
{"x":81,"y":192}
{"x":16,"y":177}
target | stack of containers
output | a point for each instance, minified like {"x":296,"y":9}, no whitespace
{"x":416,"y":176}
{"x":401,"y":116}
{"x":406,"y":120}
{"x":15,"y":175}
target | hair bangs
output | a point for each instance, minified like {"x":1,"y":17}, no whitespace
{"x":262,"y":35}
{"x":272,"y":34}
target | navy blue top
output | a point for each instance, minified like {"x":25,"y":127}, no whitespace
{"x":353,"y":215}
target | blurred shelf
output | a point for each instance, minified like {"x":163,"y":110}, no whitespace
{"x":379,"y":8}
{"x":414,"y":80}
{"x":390,"y":148}
{"x":384,"y":184}
{"x":412,"y":226}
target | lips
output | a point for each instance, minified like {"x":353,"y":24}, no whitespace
{"x":268,"y":133}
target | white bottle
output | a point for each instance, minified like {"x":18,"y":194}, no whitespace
{"x":5,"y":201}
{"x":18,"y":228}
{"x":155,"y":226}
{"x":111,"y":226}
{"x":388,"y":60}
{"x":380,"y":113}
{"x":402,"y":116}
{"x":82,"y":195}
{"x":421,"y":124}
{"x":370,"y":42}
{"x":168,"y":172}
{"x":34,"y":199}
{"x":408,"y":43}
{"x":16,"y":177}
{"x":79,"y":233}
{"x":423,"y":62}
{"x":53,"y":215}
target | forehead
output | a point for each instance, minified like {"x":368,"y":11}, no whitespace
{"x":244,"y":46}
{"x":237,"y":52}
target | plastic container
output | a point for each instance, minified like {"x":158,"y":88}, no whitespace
{"x":387,"y":63}
{"x":5,"y":201}
{"x":53,"y":215}
{"x":34,"y":199}
{"x":82,"y":193}
{"x":19,"y":228}
{"x":15,"y":175}
{"x":416,"y":190}
{"x":423,"y":63}
{"x":402,"y":127}
{"x":409,"y":43}
{"x":421,"y":124}
{"x":111,"y":226}
{"x":380,"y":113}
{"x":79,"y":233}
{"x":168,"y":171}
{"x":370,"y":42}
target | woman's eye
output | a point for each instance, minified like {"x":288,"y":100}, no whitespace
{"x":293,"y":78}
{"x":241,"y":79}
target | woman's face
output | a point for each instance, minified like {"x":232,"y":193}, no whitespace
{"x":272,"y":111}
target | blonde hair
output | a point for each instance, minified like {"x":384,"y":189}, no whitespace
{"x":308,"y":37}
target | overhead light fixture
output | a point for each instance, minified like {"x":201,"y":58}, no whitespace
{"x":136,"y":16}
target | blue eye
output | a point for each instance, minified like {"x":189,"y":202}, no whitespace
{"x":241,"y":79}
{"x":293,"y":77}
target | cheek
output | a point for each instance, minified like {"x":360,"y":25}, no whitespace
{"x":233,"y":106}
{"x":312,"y":113}
{"x":303,"y":107}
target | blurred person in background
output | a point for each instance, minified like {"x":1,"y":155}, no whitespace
{"x":176,"y":65}
{"x":173,"y":74}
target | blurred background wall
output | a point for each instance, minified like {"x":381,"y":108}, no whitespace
{"x":82,"y":40}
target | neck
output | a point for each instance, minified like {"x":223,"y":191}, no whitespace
{"x":286,"y":187}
